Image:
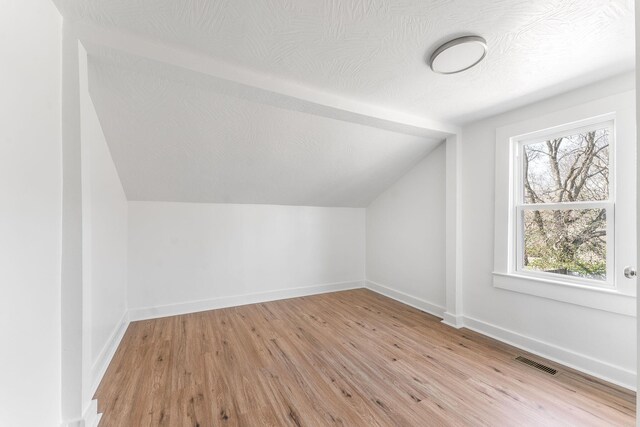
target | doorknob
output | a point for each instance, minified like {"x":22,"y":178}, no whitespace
{"x":630,"y":272}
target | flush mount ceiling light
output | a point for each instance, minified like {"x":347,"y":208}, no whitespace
{"x":458,"y":55}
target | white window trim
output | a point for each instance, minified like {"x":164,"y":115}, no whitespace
{"x":615,"y":297}
{"x":519,"y":206}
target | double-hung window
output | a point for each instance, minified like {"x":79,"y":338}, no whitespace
{"x":563,"y":204}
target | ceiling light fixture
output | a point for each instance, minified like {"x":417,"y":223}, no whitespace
{"x":458,"y":55}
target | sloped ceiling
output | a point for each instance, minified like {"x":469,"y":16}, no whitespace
{"x":174,"y":137}
{"x":344,"y":102}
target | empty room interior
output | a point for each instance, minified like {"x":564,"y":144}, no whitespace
{"x":318,"y":213}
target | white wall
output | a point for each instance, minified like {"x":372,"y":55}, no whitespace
{"x":30,"y":213}
{"x":104,"y":222}
{"x":638,"y":201}
{"x":599,"y":341}
{"x":188,"y":252}
{"x":406,"y":235}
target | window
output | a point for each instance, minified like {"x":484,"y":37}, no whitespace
{"x":563,"y":204}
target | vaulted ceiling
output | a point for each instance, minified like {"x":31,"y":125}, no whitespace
{"x":175,"y":137}
{"x":319,"y":102}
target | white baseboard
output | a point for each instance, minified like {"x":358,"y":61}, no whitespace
{"x":90,"y":418}
{"x":108,"y":351}
{"x":415,"y":302}
{"x":238,"y":300}
{"x":581,"y":362}
{"x":91,"y":415}
{"x":455,"y":321}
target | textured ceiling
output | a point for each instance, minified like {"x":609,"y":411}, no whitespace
{"x":174,"y":137}
{"x":319,"y":102}
{"x":374,"y":50}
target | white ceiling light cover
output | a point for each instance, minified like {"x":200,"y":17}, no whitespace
{"x":458,"y":55}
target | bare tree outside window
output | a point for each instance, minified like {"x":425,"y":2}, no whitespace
{"x":568,"y":169}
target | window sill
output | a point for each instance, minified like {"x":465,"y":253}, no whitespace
{"x":586,"y":296}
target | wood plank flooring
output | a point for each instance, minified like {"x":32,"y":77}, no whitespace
{"x":352,"y":358}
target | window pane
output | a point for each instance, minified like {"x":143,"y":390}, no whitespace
{"x":567,"y":169}
{"x":569,"y":242}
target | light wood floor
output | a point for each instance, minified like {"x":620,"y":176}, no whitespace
{"x":351,"y":358}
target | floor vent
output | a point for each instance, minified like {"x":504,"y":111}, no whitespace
{"x":537,"y":365}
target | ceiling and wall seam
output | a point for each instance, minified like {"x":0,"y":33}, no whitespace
{"x":319,"y":103}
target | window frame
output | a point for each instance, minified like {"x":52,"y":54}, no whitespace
{"x":518,"y":205}
{"x":619,"y":106}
